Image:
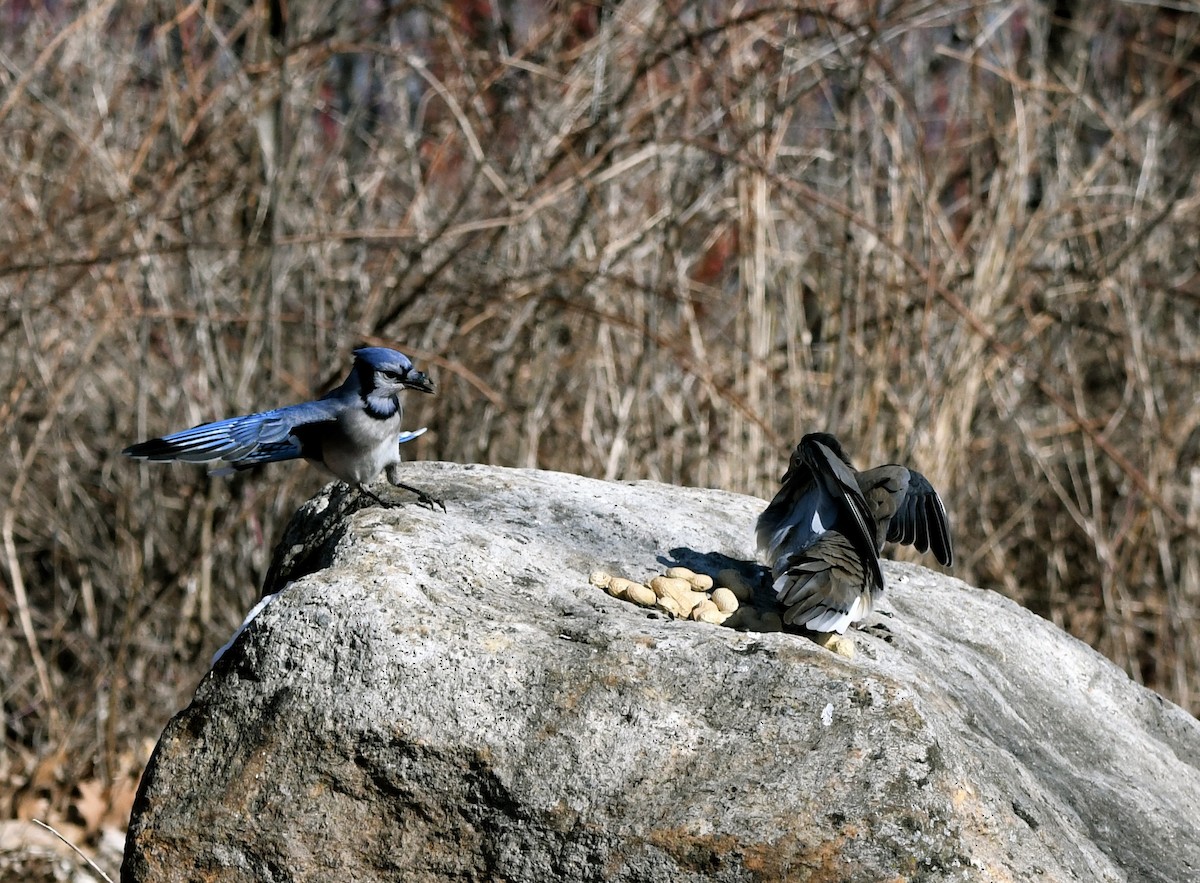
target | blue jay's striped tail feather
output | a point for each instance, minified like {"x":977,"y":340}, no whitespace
{"x":353,"y":432}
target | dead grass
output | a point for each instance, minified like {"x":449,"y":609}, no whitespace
{"x":635,"y":240}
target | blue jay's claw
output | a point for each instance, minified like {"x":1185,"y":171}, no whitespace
{"x":423,"y":498}
{"x":353,"y":432}
{"x":426,"y":500}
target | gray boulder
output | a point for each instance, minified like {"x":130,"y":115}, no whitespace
{"x":443,"y":696}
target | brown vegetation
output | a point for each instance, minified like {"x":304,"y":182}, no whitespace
{"x":630,"y":240}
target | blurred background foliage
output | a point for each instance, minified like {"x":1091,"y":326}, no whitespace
{"x":629,"y":240}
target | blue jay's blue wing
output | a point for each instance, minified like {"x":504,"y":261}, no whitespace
{"x":248,"y":440}
{"x":274,"y":452}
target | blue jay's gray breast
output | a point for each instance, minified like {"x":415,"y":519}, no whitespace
{"x":361,"y":446}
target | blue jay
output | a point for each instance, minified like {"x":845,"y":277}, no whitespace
{"x":823,"y":532}
{"x":353,"y":431}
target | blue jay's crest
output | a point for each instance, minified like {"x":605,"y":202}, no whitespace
{"x":822,"y":533}
{"x":382,"y":375}
{"x":392,"y":366}
{"x":353,"y":431}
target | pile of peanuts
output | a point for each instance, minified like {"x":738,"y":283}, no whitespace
{"x":685,"y":594}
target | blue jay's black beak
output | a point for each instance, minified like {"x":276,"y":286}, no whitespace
{"x":418,"y":380}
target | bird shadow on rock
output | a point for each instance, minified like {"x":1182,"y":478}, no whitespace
{"x":712,"y":563}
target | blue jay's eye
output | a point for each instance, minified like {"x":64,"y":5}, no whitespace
{"x":392,"y":375}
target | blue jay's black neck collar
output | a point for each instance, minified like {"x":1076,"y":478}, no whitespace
{"x":379,"y":405}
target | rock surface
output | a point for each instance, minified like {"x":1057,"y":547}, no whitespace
{"x":445,"y":697}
